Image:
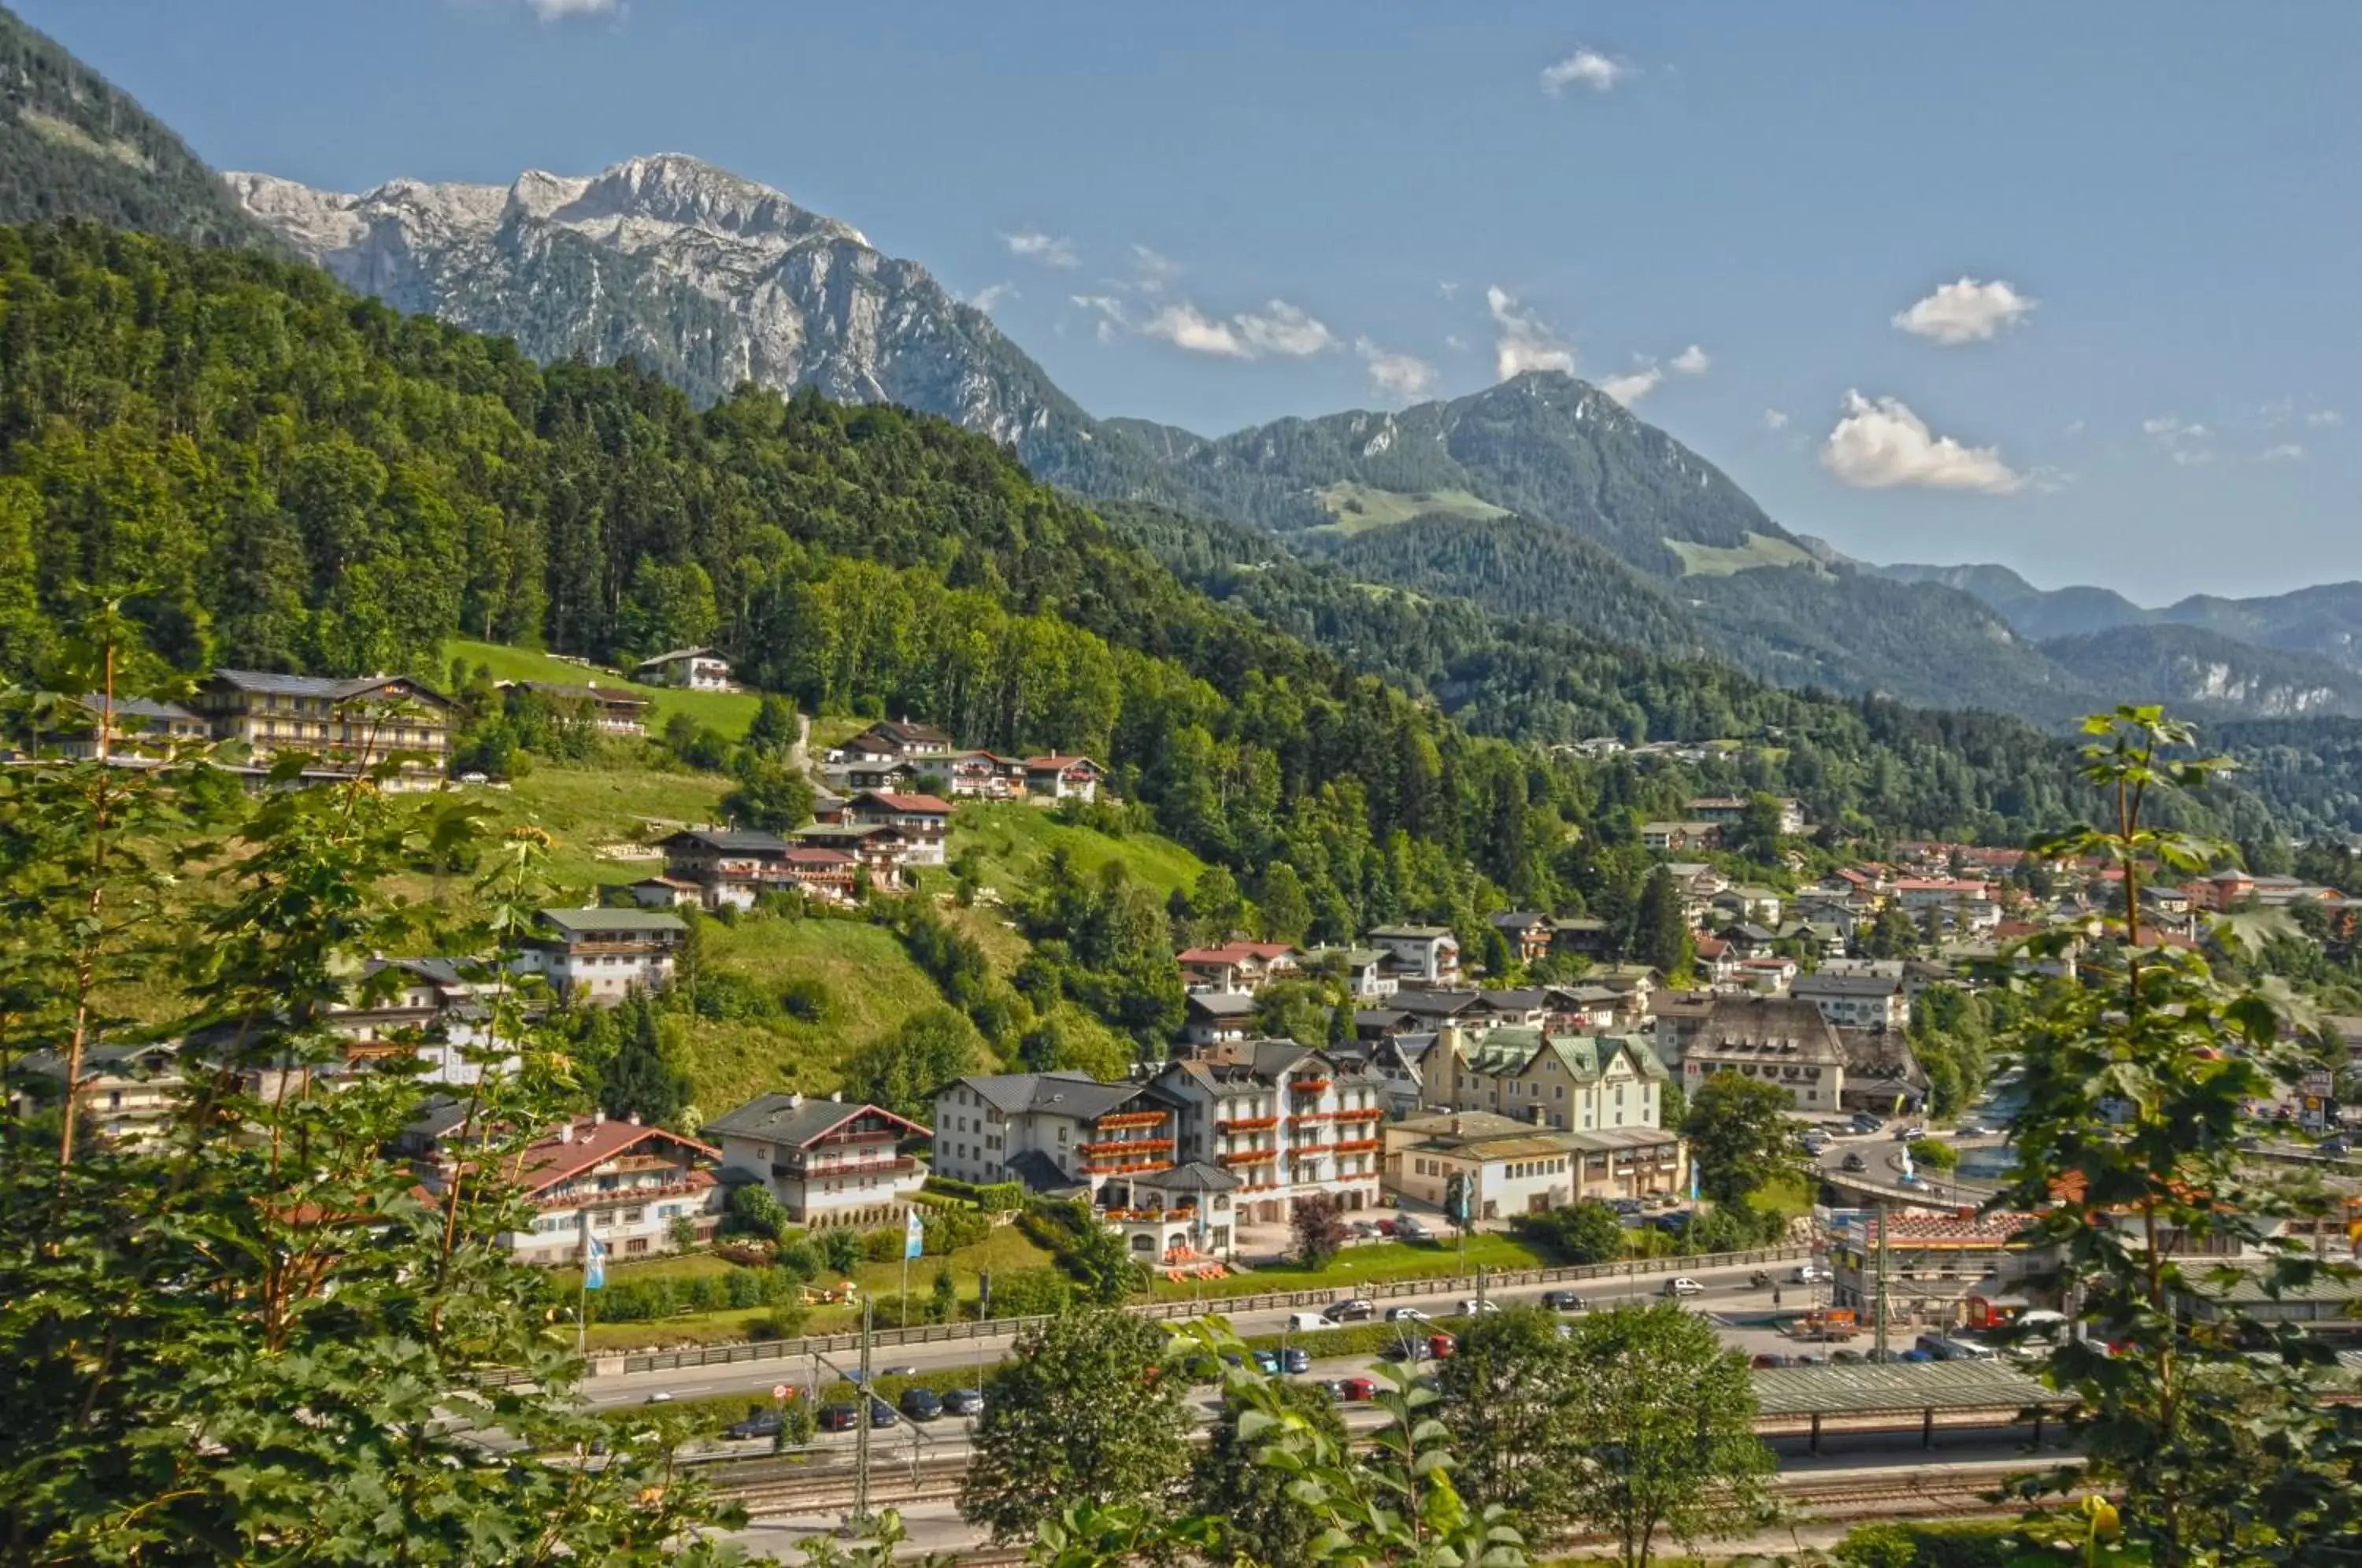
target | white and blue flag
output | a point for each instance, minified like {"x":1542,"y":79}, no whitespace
{"x":914,"y":1234}
{"x":594,"y":1263}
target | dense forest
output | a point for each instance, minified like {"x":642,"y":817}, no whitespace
{"x":296,"y":478}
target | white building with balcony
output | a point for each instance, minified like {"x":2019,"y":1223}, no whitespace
{"x":827,"y":1163}
{"x":616,"y":1182}
{"x":1285,"y":1120}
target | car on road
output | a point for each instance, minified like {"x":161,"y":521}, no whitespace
{"x":1476,"y":1305}
{"x":1856,"y":1163}
{"x":1864,"y":1123}
{"x":1410,"y":1229}
{"x":1905,"y":1134}
{"x":1846,"y":1358}
{"x":661,"y":1396}
{"x":1352,"y":1309}
{"x":1809,"y":1273}
{"x":838,"y":1418}
{"x":1562,"y":1301}
{"x":1814,"y":1142}
{"x":1405,"y":1315}
{"x":922,"y":1404}
{"x":473,"y":778}
{"x":1681,"y":1285}
{"x":1365,"y":1230}
{"x":759,"y":1423}
{"x":964,"y":1402}
{"x":2333,"y":1146}
{"x":1294,"y":1360}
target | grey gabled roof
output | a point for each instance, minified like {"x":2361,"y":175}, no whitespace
{"x":1221,"y":1004}
{"x":1817,"y":984}
{"x":134,"y":707}
{"x":1066,"y":1092}
{"x":1193,"y":1175}
{"x":332,"y":687}
{"x":574,"y":922}
{"x":791,"y":1120}
{"x":733,"y":841}
{"x":1434,"y":1004}
{"x":667,"y":658}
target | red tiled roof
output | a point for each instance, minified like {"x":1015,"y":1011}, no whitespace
{"x":543,"y":1164}
{"x":817,"y":857}
{"x":1055,"y":760}
{"x":926,"y":804}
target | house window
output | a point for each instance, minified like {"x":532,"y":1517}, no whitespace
{"x":634,"y":1216}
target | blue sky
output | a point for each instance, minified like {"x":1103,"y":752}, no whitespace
{"x":2150,"y":379}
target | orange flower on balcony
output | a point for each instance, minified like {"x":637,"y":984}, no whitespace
{"x":1130,"y":1118}
{"x":1247,"y":1123}
{"x":1310,"y":1086}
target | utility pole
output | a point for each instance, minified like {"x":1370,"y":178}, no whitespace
{"x":1881,"y":1306}
{"x":861,"y":1429}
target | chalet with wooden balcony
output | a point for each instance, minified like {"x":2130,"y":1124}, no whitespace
{"x":133,"y":726}
{"x":1284,"y":1120}
{"x":615,"y":1181}
{"x":880,"y":851}
{"x":827,"y":1163}
{"x":1236,"y":968}
{"x":984,"y":776}
{"x":350,"y":726}
{"x":609,"y":710}
{"x":603,"y":956}
{"x":924,"y":822}
{"x":1060,"y":1132}
{"x":1056,"y":778}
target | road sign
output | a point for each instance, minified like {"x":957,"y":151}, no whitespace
{"x":781,"y":1391}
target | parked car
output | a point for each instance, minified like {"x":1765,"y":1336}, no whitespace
{"x":1352,"y":1310}
{"x":1440,"y":1346}
{"x":1905,"y":1134}
{"x":881,"y":1414}
{"x":759,"y":1423}
{"x":1809,"y":1273}
{"x":1807,"y":1359}
{"x":922,"y":1404}
{"x":1267,"y":1363}
{"x":1407,"y":1349}
{"x":1846,"y":1358}
{"x":1405,"y":1315}
{"x":1296,"y":1361}
{"x":1863,"y":1121}
{"x":1562,"y":1301}
{"x":1409,"y":1229}
{"x":1626,"y":1205}
{"x":964,"y":1402}
{"x":838,"y":1418}
{"x":2333,"y":1147}
{"x":1681,"y":1285}
{"x":1475,"y":1305}
{"x":1365,"y":1230}
{"x":1357,"y":1390}
{"x":1771,"y":1358}
{"x":1856,"y":1163}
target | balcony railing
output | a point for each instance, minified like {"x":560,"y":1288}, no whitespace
{"x":611,"y":1198}
{"x":1367,"y":1113}
{"x":850,"y":1167}
{"x":1303,"y":1117}
{"x":1129,"y":1119}
{"x":1309,"y":1085}
{"x":1247,"y":1123}
{"x":1246,"y":1156}
{"x":1358,"y":1146}
{"x":1123,"y":1146}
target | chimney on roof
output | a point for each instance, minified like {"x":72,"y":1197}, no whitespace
{"x":795,"y":1103}
{"x":837,"y":1095}
{"x":635,"y":1117}
{"x":598,"y":1117}
{"x":566,"y":1133}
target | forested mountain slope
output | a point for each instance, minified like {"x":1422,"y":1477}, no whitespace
{"x":296,"y":478}
{"x":73,"y":146}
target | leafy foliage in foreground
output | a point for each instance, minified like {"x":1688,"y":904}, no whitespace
{"x":259,"y":1339}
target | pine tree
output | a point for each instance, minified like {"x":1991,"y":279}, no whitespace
{"x":643,"y":1079}
{"x":1660,"y":929}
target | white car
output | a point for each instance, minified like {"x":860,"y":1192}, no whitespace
{"x":1683,"y":1284}
{"x":1810,"y":1274}
{"x":1471,"y":1306}
{"x":1405,"y":1315}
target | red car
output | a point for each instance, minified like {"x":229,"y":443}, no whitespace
{"x":1357,"y":1390}
{"x":1440,"y":1346}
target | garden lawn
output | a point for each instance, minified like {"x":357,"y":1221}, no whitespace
{"x":729,"y":711}
{"x":1369,"y":1262}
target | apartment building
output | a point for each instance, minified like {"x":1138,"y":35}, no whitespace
{"x":602,"y":955}
{"x":352,"y":725}
{"x":827,"y":1163}
{"x":1285,"y":1120}
{"x":1572,"y":1082}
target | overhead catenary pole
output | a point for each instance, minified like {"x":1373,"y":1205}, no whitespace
{"x":861,"y":1427}
{"x":1879,"y":1306}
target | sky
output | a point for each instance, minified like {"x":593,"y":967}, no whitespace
{"x":2071,"y":288}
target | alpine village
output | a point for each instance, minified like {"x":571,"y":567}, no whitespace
{"x":658,"y":910}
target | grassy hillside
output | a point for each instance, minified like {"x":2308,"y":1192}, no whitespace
{"x":1761,"y":550}
{"x":869,"y":982}
{"x":729,"y":711}
{"x":1357,"y":507}
{"x":1013,"y":840}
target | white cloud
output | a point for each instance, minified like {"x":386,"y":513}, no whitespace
{"x":2322,"y":418}
{"x":1402,"y":377}
{"x":1050,"y":249}
{"x":1965,"y":311}
{"x":1282,"y":328}
{"x":1775,"y":419}
{"x":1112,"y":322}
{"x":1881,"y":444}
{"x":2192,"y":457}
{"x":1524,"y":342}
{"x":1631,"y":387}
{"x":560,"y":10}
{"x":1584,"y":68}
{"x":1448,"y":289}
{"x":1185,"y":326}
{"x":2075,"y":428}
{"x":1693,"y":360}
{"x":990,"y":297}
{"x":2286,"y":452}
{"x":1152,"y":270}
{"x":2168,"y":428}
{"x":1453,"y":341}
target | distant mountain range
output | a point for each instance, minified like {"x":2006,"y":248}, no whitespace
{"x":2324,"y":620}
{"x":1541,"y":499}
